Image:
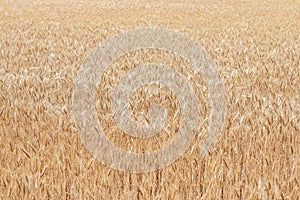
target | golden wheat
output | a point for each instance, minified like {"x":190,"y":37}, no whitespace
{"x":256,"y":47}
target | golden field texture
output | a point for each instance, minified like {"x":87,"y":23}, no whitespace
{"x":255,"y":45}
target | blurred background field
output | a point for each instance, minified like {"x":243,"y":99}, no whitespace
{"x":255,"y":46}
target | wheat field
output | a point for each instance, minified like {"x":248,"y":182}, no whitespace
{"x":255,"y":46}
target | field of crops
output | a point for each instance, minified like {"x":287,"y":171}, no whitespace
{"x":255,"y":46}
